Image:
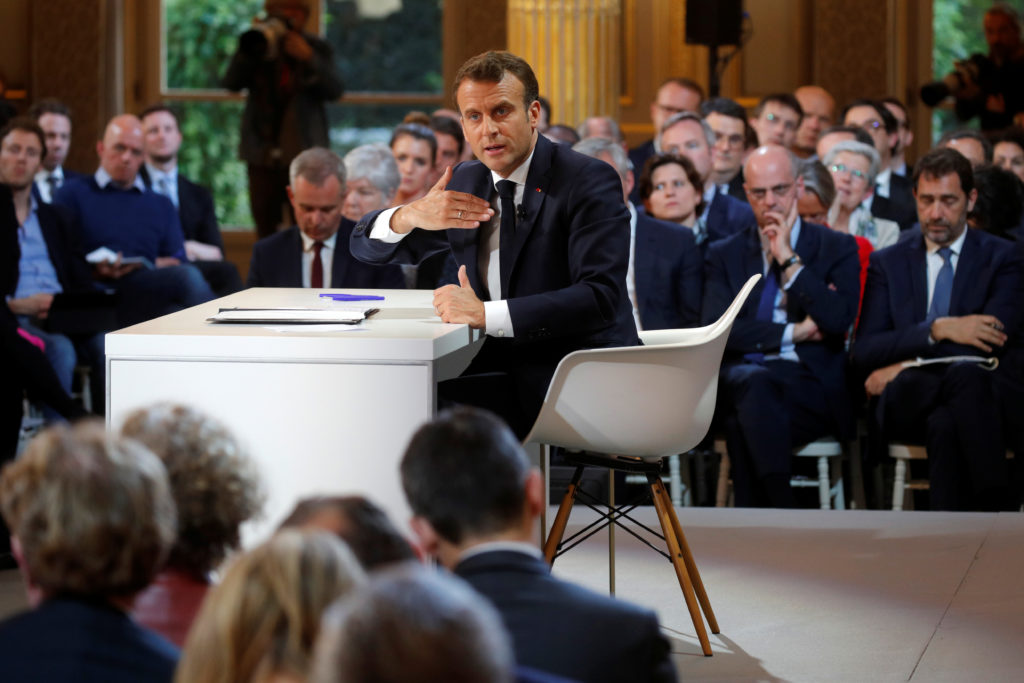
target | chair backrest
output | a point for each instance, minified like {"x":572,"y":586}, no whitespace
{"x":647,"y":401}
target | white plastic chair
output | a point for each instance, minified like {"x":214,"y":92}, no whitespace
{"x":642,"y":404}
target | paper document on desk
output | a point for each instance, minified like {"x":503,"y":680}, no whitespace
{"x":348,"y":315}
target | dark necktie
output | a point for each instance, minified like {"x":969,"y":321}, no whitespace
{"x":943,"y":286}
{"x":54,"y":182}
{"x":316,"y":277}
{"x":507,"y":194}
{"x":766,"y":304}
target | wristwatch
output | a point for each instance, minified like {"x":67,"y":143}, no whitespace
{"x":791,"y":261}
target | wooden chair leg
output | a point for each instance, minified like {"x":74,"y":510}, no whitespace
{"x":561,"y":518}
{"x":722,"y":490}
{"x":663,"y":504}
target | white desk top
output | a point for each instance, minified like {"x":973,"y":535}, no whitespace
{"x":405,"y":329}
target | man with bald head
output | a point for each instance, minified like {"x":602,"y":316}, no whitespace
{"x":782,"y":381}
{"x":113,"y":208}
{"x":819,"y":113}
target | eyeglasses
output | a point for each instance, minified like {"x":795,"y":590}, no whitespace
{"x":759,"y":193}
{"x":734,"y":140}
{"x":842,"y":168}
{"x":871,"y":124}
{"x":787,"y":124}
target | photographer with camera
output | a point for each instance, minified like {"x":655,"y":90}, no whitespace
{"x":289,"y":75}
{"x":988,"y":86}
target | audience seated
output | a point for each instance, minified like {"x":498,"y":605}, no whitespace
{"x":415,"y":149}
{"x":54,"y":117}
{"x":971,"y":143}
{"x":892,"y":198}
{"x":601,"y":127}
{"x":776,"y":119}
{"x":688,"y":135}
{"x":833,"y":135}
{"x":475,"y":502}
{"x":854,"y":167}
{"x":999,"y":208}
{"x":782,"y":379}
{"x":950,"y":291}
{"x":215,"y":488}
{"x":364,"y":527}
{"x":47,"y":262}
{"x":728,"y":121}
{"x":193,"y":203}
{"x":450,"y":143}
{"x":315,"y":252}
{"x":91,"y":520}
{"x":1008,"y":151}
{"x":561,"y":133}
{"x":898,"y":163}
{"x":819,"y":109}
{"x":410,"y":625}
{"x":675,"y":95}
{"x":371,"y":180}
{"x":261,"y":621}
{"x":664,"y":275}
{"x":113,"y":209}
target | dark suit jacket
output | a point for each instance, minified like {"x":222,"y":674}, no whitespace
{"x":562,"y":628}
{"x":727,"y":216}
{"x":830,"y":258}
{"x":736,"y":187}
{"x":277,"y":262}
{"x":638,"y":156}
{"x":899,"y":206}
{"x":68,"y":175}
{"x":989,"y":279}
{"x":563,"y":270}
{"x":668,"y":271}
{"x":82,"y":641}
{"x":195,"y":210}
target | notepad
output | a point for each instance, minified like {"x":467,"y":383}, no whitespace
{"x":293,"y":316}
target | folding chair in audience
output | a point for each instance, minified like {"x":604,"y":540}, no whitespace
{"x":672,"y":384}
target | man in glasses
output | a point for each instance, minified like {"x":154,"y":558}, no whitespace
{"x":675,"y":95}
{"x":728,"y":121}
{"x":892,"y":198}
{"x":782,"y":381}
{"x":776,"y":120}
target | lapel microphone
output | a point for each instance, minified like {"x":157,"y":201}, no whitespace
{"x":520,"y":213}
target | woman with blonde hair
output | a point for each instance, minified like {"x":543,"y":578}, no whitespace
{"x":259,"y":624}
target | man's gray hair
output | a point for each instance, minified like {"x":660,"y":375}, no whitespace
{"x":854,"y":147}
{"x":709,"y":134}
{"x":316,"y":165}
{"x":376,"y":163}
{"x":583,"y":130}
{"x":594,"y":147}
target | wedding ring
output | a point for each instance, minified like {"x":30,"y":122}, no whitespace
{"x":460,"y":215}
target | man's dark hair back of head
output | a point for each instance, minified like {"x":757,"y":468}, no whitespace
{"x":465,"y":473}
{"x":49,"y":105}
{"x":897,"y":102}
{"x":725,"y":107}
{"x":785,"y":99}
{"x":28,"y":125}
{"x":1000,"y":200}
{"x":859,"y":134}
{"x":941,"y":162}
{"x":155,"y":108}
{"x":491,"y":67}
{"x":968,"y":134}
{"x":888,"y":120}
{"x":448,"y":126}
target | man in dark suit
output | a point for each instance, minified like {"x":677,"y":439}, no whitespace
{"x":665,"y":275}
{"x":287,"y":83}
{"x":46,"y":262}
{"x":54,"y":117}
{"x":315,"y":252}
{"x":475,"y":502}
{"x":674,"y":95}
{"x":728,"y":121}
{"x":892,"y":198}
{"x":949,"y":291}
{"x":547,"y":277}
{"x":194,"y":204}
{"x":783,"y":380}
{"x":691,"y":136}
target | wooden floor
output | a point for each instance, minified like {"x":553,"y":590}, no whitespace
{"x":810,"y":595}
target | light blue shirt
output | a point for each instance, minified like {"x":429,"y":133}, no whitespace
{"x":164,"y":182}
{"x":787,"y":349}
{"x":36,"y":274}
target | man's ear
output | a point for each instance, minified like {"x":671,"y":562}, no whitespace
{"x":972,"y":197}
{"x":534,"y":490}
{"x":428,"y":537}
{"x":99,"y":149}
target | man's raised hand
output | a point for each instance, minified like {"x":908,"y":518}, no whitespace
{"x":441,"y":209}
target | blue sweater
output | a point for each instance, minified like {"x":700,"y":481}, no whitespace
{"x":132,"y":222}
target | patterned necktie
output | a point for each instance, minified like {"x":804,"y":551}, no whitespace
{"x":316,"y":277}
{"x":943,"y":291}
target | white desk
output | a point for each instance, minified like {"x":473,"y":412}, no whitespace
{"x":320,"y":412}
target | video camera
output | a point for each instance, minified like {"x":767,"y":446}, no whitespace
{"x":263,"y":39}
{"x":968,"y":78}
